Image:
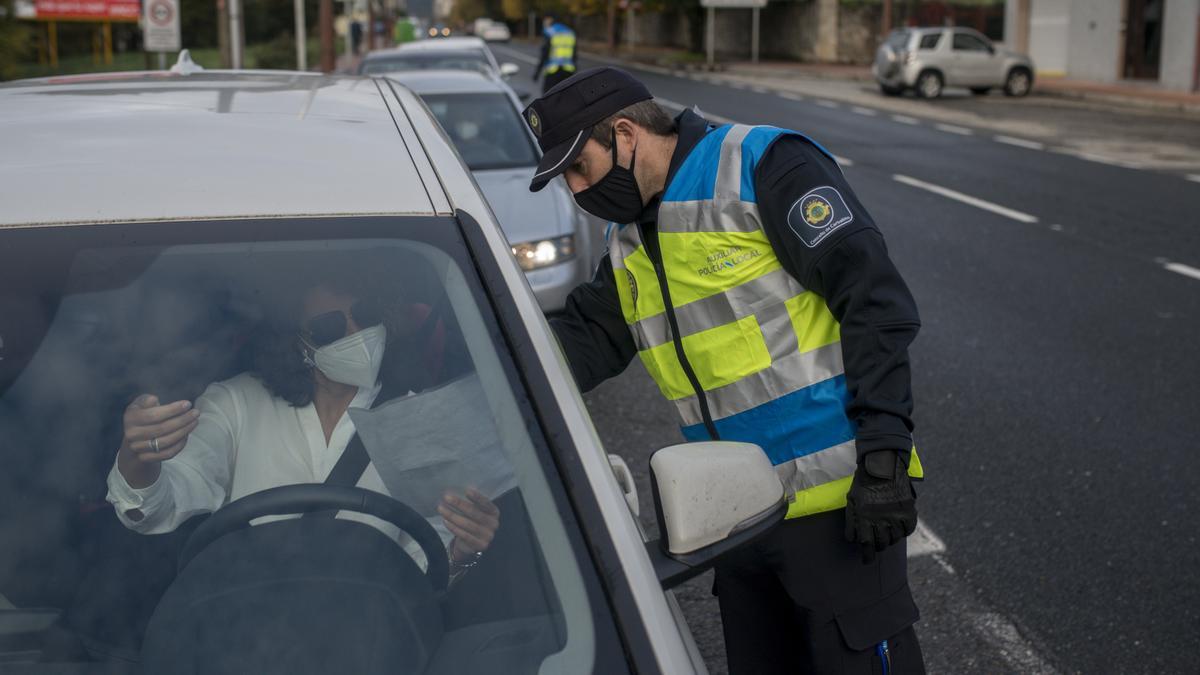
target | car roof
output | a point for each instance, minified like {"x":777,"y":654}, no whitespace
{"x":463,"y":42}
{"x":424,"y":82}
{"x":161,"y":146}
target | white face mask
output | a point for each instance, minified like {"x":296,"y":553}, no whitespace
{"x":354,"y":359}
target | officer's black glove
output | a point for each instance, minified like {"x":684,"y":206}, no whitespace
{"x":881,"y":506}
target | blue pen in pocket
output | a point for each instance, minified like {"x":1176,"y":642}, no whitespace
{"x":885,"y":657}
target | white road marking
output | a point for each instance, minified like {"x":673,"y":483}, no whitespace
{"x":1099,"y":159}
{"x":951,"y":129}
{"x":844,"y":161}
{"x":827,"y":104}
{"x":760,"y":90}
{"x":795,"y":97}
{"x":1019,"y":142}
{"x":1194,"y":177}
{"x":707,"y":115}
{"x":905,"y":119}
{"x":859,"y":110}
{"x":1004,"y":637}
{"x":966,"y":199}
{"x":737,"y":85}
{"x":924,"y":542}
{"x":1185,"y":270}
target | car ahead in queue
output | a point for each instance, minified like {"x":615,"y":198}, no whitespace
{"x":927,"y":60}
{"x":553,"y":241}
{"x":455,"y":53}
{"x":204,"y":272}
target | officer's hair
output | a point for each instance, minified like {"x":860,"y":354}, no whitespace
{"x":646,"y":114}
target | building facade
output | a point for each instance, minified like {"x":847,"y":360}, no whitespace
{"x":1154,"y":41}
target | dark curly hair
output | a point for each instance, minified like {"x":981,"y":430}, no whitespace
{"x":277,"y":353}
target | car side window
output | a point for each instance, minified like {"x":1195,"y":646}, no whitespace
{"x":965,"y":42}
{"x":930,"y":41}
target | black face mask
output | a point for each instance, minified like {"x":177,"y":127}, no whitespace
{"x":616,"y":196}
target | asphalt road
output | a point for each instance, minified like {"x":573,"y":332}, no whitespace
{"x":1056,"y":378}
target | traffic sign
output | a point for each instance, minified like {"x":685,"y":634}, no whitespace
{"x":160,"y":26}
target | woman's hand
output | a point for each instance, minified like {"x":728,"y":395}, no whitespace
{"x":153,"y":433}
{"x":472,"y":519}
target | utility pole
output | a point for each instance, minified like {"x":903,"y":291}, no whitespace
{"x":223,"y":33}
{"x":236,"y":35}
{"x":325,"y":28}
{"x":612,"y":26}
{"x":301,"y":37}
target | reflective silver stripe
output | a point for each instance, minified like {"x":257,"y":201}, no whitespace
{"x":704,"y":216}
{"x":819,"y":468}
{"x":729,"y":167}
{"x":762,"y":296}
{"x":791,"y":373}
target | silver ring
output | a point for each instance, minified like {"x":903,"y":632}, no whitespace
{"x":154,"y":444}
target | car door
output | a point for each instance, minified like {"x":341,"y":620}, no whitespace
{"x":971,"y":61}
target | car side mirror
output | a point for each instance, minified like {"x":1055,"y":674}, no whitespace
{"x":710,"y":498}
{"x":509,"y":69}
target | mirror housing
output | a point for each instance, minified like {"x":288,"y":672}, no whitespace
{"x":509,"y":69}
{"x":710,"y":498}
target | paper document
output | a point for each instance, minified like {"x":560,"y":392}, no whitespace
{"x":437,"y":440}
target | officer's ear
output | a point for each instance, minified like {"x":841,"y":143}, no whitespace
{"x":625,"y":134}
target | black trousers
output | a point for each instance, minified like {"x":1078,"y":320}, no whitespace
{"x":801,"y":601}
{"x":554,"y":78}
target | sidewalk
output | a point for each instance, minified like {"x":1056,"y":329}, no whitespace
{"x":1132,"y":94}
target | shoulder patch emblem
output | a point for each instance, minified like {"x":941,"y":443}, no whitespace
{"x":818,"y":214}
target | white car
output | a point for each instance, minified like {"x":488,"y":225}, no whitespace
{"x":927,"y":60}
{"x":493,"y":31}
{"x":161,"y":232}
{"x":555,"y":242}
{"x":466,"y":53}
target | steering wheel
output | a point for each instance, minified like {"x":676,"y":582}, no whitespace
{"x":306,"y":498}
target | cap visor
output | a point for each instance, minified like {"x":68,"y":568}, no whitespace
{"x":557,"y":159}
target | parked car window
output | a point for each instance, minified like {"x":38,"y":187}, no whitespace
{"x":897,"y":39}
{"x":104,"y":313}
{"x":457,"y":60}
{"x":930,"y":41}
{"x":485,"y":128}
{"x":969,"y":43}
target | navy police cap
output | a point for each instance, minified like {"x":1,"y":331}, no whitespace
{"x":562,"y":119}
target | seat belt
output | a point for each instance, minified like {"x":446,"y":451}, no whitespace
{"x":349,"y":468}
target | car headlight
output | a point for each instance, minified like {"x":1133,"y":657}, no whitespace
{"x":432,"y":32}
{"x":532,"y":255}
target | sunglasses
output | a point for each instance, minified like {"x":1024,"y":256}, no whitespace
{"x":329,"y":327}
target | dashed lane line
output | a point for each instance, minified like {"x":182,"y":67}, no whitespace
{"x":760,"y":90}
{"x":1099,"y":159}
{"x":952,"y":129}
{"x":924,"y":542}
{"x":797,"y":97}
{"x":1019,"y":142}
{"x":1194,"y":177}
{"x":828,"y":104}
{"x":1185,"y":270}
{"x":966,"y":199}
{"x":859,"y":110}
{"x":905,"y":119}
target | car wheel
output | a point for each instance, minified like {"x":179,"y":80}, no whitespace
{"x":980,"y":91}
{"x":889,"y":90}
{"x":929,"y":84}
{"x":1018,"y":82}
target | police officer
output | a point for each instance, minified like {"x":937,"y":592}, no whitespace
{"x":757,"y":291}
{"x":558,"y":54}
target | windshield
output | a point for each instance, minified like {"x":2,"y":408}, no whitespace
{"x":438,"y":60}
{"x":485,"y":128}
{"x":157,"y":380}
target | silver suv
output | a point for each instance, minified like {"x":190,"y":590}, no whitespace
{"x":929,"y":59}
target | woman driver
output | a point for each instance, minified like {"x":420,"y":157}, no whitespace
{"x":284,"y":423}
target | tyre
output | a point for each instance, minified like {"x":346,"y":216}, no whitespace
{"x":1018,"y":82}
{"x":889,"y":90}
{"x":929,"y":84}
{"x":980,"y":91}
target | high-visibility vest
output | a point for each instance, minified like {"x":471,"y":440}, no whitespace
{"x":759,"y":357}
{"x":562,"y":49}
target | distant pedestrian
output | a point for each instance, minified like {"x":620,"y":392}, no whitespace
{"x":748,"y":278}
{"x":356,"y":34}
{"x":558,"y":54}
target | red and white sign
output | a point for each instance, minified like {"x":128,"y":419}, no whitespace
{"x":87,"y":10}
{"x":161,"y":26}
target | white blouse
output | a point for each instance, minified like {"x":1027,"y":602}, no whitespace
{"x":248,"y":440}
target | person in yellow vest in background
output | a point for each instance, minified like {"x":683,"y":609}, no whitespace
{"x":403,"y":30}
{"x":557,"y":59}
{"x":757,"y":291}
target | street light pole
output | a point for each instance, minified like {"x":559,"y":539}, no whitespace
{"x":235,"y":34}
{"x":301,"y":37}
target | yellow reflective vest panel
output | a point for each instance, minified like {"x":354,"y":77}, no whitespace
{"x":764,"y":353}
{"x":562,"y":49}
